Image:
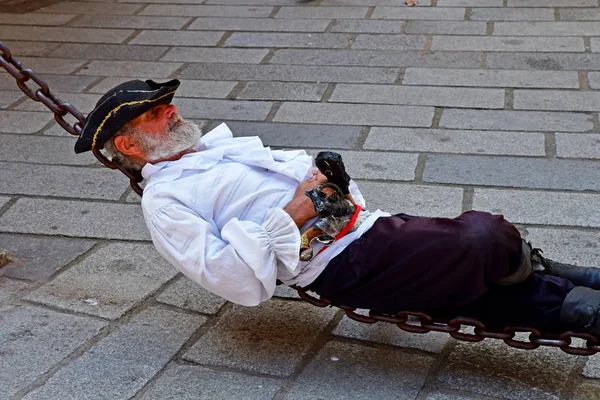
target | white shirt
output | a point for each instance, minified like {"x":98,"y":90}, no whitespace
{"x":217,"y":216}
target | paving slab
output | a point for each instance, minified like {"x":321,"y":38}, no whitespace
{"x":42,"y":150}
{"x":130,"y":21}
{"x":283,"y":91}
{"x":377,"y":58}
{"x":594,"y":80}
{"x":578,"y":14}
{"x":573,"y":145}
{"x":366,"y":26}
{"x":456,"y":141}
{"x":35,"y":339}
{"x":109,"y":282}
{"x":35,"y":19}
{"x":508,"y":43}
{"x":75,"y":218}
{"x":293,"y":73}
{"x":51,"y":65}
{"x":541,"y":173}
{"x":361,"y":369}
{"x":419,"y":96}
{"x":11,"y":293}
{"x":552,"y":3}
{"x":192,"y":382}
{"x":469,"y":3}
{"x":271,"y":338}
{"x":492,"y":368}
{"x":134,"y":69}
{"x":554,"y":28}
{"x":23,"y":122}
{"x":37,"y":258}
{"x":395,"y":3}
{"x":126,"y":359}
{"x":206,"y":11}
{"x":378,"y":165}
{"x":426,"y":201}
{"x":9,"y":97}
{"x":451,"y":395}
{"x":27,"y":48}
{"x":572,"y":246}
{"x":516,"y":120}
{"x":298,"y":135}
{"x":390,"y":334}
{"x":390,"y":42}
{"x":540,"y":208}
{"x":64,"y":34}
{"x":321,"y":12}
{"x":185,"y":293}
{"x":546,"y":61}
{"x":355,"y":114}
{"x":177,"y":38}
{"x":188,"y":88}
{"x":419,"y":13}
{"x":447,"y":27}
{"x":109,"y":52}
{"x":223,"y":109}
{"x":491,"y":78}
{"x":260,"y":24}
{"x":302,"y":40}
{"x":559,"y":100}
{"x":91,"y":8}
{"x":217,"y":55}
{"x":50,"y":180}
{"x":512,"y":14}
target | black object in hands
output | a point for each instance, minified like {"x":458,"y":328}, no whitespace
{"x":334,"y":204}
{"x":331,"y":165}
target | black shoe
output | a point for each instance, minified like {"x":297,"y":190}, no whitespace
{"x":579,"y":276}
{"x":580,"y":310}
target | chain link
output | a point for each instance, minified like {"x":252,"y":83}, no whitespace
{"x":414,"y":322}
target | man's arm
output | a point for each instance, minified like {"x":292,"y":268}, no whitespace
{"x":301,"y":208}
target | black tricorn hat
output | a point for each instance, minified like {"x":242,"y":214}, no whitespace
{"x":120,"y":105}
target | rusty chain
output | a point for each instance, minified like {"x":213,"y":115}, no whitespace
{"x":59,"y":108}
{"x":420,"y":322}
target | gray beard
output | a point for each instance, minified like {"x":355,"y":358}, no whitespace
{"x":181,"y":135}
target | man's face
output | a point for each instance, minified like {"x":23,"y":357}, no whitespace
{"x":155,"y":120}
{"x":162,"y":133}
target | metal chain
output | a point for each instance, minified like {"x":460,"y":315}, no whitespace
{"x":420,"y":322}
{"x":44,"y":95}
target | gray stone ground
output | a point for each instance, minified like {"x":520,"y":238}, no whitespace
{"x":439,"y":108}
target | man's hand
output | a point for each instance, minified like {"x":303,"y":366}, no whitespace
{"x":301,"y":208}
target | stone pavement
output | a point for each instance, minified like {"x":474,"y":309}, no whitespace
{"x":439,"y":108}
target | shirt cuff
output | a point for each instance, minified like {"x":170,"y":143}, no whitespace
{"x":284,"y":238}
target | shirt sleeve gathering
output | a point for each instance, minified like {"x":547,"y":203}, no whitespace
{"x":239,"y":263}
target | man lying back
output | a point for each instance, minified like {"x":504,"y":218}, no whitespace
{"x":229,"y":213}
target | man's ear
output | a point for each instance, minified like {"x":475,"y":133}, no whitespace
{"x":128,"y":146}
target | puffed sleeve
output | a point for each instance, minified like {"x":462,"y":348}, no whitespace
{"x":239,"y":263}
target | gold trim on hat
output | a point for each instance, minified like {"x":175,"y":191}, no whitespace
{"x":114,"y":110}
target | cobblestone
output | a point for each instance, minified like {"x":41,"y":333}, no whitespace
{"x":64,"y":34}
{"x":512,"y":14}
{"x":508,"y":43}
{"x":109,"y":52}
{"x":260,"y":24}
{"x":217,"y":55}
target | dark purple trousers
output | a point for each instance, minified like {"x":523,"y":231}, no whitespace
{"x":446,"y":267}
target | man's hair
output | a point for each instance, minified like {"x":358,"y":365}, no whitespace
{"x":115,"y":155}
